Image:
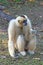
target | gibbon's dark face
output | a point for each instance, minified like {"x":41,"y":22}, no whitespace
{"x":22,"y":21}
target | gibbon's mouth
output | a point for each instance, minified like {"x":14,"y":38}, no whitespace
{"x":25,"y":22}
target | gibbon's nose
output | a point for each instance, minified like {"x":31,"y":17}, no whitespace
{"x":25,"y":22}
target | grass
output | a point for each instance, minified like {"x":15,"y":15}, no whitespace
{"x":4,"y":2}
{"x":20,"y":61}
{"x":28,"y":60}
{"x":5,"y":59}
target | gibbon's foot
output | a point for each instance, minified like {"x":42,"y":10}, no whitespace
{"x":23,"y":53}
{"x":15,"y":56}
{"x":31,"y":52}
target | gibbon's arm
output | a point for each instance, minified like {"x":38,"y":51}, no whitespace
{"x":11,"y":24}
{"x":11,"y":28}
{"x":28,"y":22}
{"x":11,"y":40}
{"x":30,"y":26}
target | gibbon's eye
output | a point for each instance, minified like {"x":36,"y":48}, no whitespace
{"x":25,"y":22}
{"x":18,"y":21}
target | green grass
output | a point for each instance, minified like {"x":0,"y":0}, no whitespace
{"x":17,"y":0}
{"x":20,"y":61}
{"x":36,"y":59}
{"x":5,"y":2}
{"x":28,"y":60}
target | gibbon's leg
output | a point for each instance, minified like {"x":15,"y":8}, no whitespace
{"x":11,"y":46}
{"x":32,"y":44}
{"x":21,"y":45}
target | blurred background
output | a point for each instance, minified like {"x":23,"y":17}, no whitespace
{"x":33,"y":9}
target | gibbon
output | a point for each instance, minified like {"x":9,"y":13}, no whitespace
{"x":20,"y":36}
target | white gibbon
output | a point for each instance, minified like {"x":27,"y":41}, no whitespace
{"x":20,"y":36}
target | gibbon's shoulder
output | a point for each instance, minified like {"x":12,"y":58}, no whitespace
{"x":12,"y":22}
{"x":28,"y":21}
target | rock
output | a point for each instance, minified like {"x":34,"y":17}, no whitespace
{"x":2,"y":56}
{"x":36,"y":58}
{"x":2,"y":7}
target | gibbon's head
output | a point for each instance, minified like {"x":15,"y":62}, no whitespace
{"x":21,"y":20}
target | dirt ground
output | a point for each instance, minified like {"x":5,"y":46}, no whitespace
{"x":34,"y":13}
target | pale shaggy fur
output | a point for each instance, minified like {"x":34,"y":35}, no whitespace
{"x":18,"y":40}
